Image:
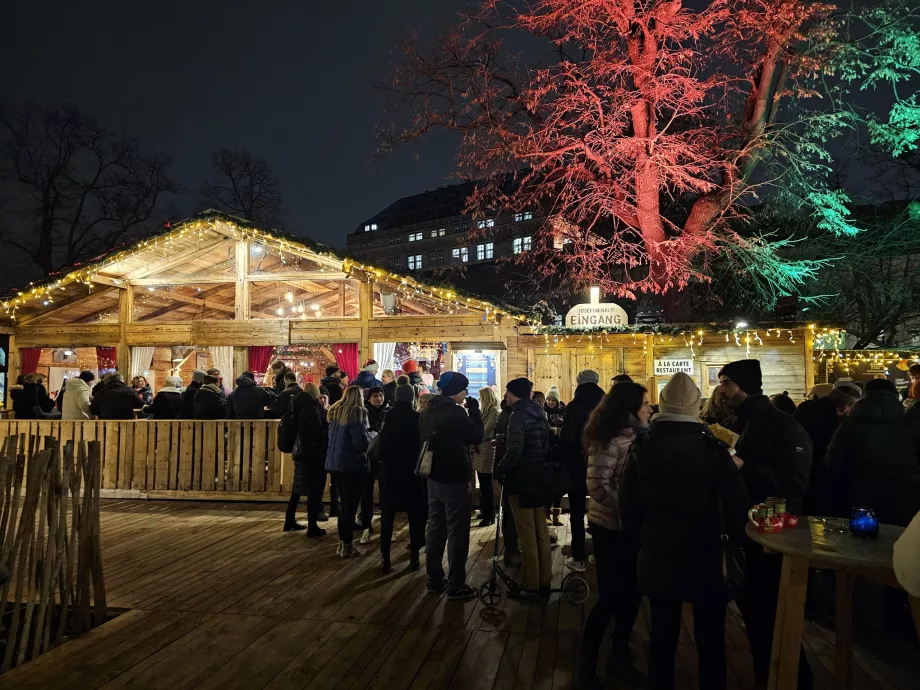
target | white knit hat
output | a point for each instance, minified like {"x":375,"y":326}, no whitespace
{"x":553,"y":392}
{"x":680,"y":396}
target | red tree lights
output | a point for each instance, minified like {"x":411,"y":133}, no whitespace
{"x":642,"y":129}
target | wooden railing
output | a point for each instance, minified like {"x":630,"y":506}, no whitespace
{"x":201,"y":459}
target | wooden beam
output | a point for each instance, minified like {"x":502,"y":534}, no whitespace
{"x":265,"y":304}
{"x":297,"y":276}
{"x":261,"y":278}
{"x":125,"y":316}
{"x":202,"y":301}
{"x":224,"y":229}
{"x":181,"y":258}
{"x":111,"y":281}
{"x":69,"y":302}
{"x":365,"y":312}
{"x":241,"y":296}
{"x":182,"y":280}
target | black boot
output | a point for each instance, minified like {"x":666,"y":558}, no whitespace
{"x":334,"y":509}
{"x":385,"y":567}
{"x":293,"y":526}
{"x":315,"y":531}
{"x":414,"y":564}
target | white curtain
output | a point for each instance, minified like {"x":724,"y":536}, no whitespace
{"x":385,"y":356}
{"x":141,"y":361}
{"x":56,"y":376}
{"x":222,"y":357}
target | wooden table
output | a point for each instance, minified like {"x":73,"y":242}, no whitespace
{"x":809,"y":546}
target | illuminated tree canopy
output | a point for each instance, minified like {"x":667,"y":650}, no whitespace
{"x":656,"y":127}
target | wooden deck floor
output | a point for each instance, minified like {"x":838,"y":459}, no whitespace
{"x":218,"y":597}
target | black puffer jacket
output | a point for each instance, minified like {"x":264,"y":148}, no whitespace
{"x":400,"y":444}
{"x":209,"y":403}
{"x":311,"y":442}
{"x":333,"y":385}
{"x":166,"y":405}
{"x":527,"y":438}
{"x":32,"y":402}
{"x":283,"y":401}
{"x":820,"y":420}
{"x":669,"y":499}
{"x":874,"y":460}
{"x":450,"y":432}
{"x":375,"y":415}
{"x":187,"y":410}
{"x":587,"y":397}
{"x":248,"y":400}
{"x":776,"y":451}
{"x":115,"y":401}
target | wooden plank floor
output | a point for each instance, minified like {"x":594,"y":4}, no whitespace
{"x":218,"y":597}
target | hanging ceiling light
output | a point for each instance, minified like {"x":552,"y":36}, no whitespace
{"x":289,"y":296}
{"x":280,"y":311}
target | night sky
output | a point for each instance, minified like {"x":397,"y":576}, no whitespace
{"x":292,"y":82}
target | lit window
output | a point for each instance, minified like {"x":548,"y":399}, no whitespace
{"x":490,"y":223}
{"x":416,"y":236}
{"x":526,"y":215}
{"x":485,"y":251}
{"x":370,"y":227}
{"x":415,"y":262}
{"x":442,"y":232}
{"x":521,"y":244}
{"x":434,"y":233}
{"x":567,"y":240}
{"x":367,"y":228}
{"x":462,"y":253}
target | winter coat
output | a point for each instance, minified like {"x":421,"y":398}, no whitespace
{"x":278,"y":382}
{"x":145,"y":394}
{"x":15,"y":393}
{"x":450,"y":432}
{"x":77,"y":401}
{"x":400,"y":444}
{"x":605,"y":472}
{"x":32,"y":402}
{"x":248,"y":400}
{"x":776,"y":452}
{"x":115,"y":401}
{"x":874,"y":460}
{"x":820,"y":420}
{"x":484,"y":453}
{"x":501,"y":429}
{"x":310,"y":449}
{"x":188,"y":400}
{"x":167,"y":404}
{"x":527,"y":440}
{"x":348,"y":444}
{"x":558,"y":411}
{"x":668,"y":498}
{"x":283,"y":401}
{"x":333,"y":386}
{"x":208,"y":403}
{"x":415,"y":379}
{"x":375,"y":415}
{"x":389,"y":391}
{"x":587,"y":397}
{"x":365,"y":379}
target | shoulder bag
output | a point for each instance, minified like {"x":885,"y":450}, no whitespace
{"x":287,"y":429}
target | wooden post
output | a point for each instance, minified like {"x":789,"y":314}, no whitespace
{"x":365,"y":311}
{"x":125,"y":316}
{"x":241,"y":295}
{"x":809,"y":360}
{"x":843,"y":661}
{"x":650,"y":368}
{"x":240,"y":364}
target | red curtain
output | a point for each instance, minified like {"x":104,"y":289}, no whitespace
{"x":346,"y":358}
{"x":259,"y":358}
{"x":28,"y":359}
{"x":105,"y":359}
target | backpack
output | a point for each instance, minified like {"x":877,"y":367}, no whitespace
{"x":288,"y":428}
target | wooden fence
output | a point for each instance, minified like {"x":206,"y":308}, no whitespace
{"x":187,"y":458}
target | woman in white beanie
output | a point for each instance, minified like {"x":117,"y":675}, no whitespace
{"x":168,"y":401}
{"x":680,"y":490}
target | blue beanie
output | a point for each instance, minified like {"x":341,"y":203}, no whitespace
{"x":453,"y":382}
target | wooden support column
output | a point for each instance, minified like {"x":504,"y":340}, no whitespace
{"x":241,"y":296}
{"x":125,"y":316}
{"x":809,"y":360}
{"x":651,"y":384}
{"x":365,"y":310}
{"x":240,"y":364}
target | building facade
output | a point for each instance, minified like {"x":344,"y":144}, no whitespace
{"x":429,"y":233}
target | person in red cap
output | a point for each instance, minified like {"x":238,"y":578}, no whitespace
{"x":410,"y":368}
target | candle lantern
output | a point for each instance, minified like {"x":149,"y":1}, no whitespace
{"x":863,"y":522}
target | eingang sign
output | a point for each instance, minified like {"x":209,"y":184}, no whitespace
{"x":592,"y":315}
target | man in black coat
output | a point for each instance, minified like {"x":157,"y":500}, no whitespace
{"x":116,"y":400}
{"x":332,"y":382}
{"x":309,"y":464}
{"x":774,"y":457}
{"x":188,"y":395}
{"x":283,"y":401}
{"x":248,"y":400}
{"x":588,"y":395}
{"x":820,"y":418}
{"x":209,"y":403}
{"x":874,"y":458}
{"x":450,"y":431}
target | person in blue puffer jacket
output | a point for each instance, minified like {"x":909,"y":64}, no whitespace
{"x":367,"y":377}
{"x":346,"y":457}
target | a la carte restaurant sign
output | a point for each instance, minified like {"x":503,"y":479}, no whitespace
{"x":669,"y":367}
{"x":592,"y":315}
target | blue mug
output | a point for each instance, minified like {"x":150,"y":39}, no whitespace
{"x":863,"y":522}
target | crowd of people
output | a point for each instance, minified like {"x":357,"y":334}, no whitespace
{"x":661,"y":493}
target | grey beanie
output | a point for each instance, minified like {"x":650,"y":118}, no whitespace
{"x":588,"y":376}
{"x":680,"y":396}
{"x":198,"y":376}
{"x":173,"y":382}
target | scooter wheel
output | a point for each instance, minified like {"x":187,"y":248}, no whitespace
{"x":490,"y":594}
{"x":575,"y":588}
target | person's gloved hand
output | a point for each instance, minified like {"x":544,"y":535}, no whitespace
{"x":472,"y":404}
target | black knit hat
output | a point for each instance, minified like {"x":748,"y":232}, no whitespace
{"x":520,"y":388}
{"x":331,"y":369}
{"x":87,"y":376}
{"x":746,"y":373}
{"x":880,"y":385}
{"x":404,"y":394}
